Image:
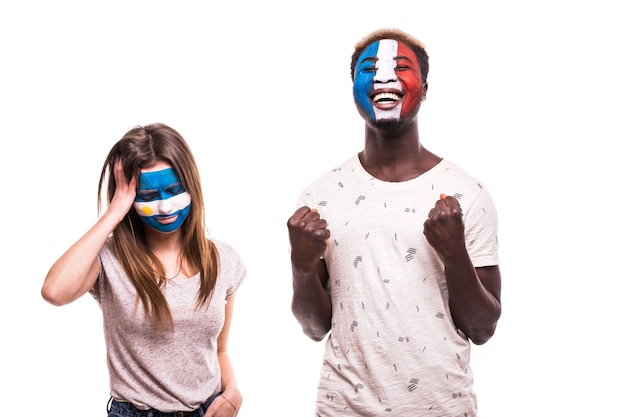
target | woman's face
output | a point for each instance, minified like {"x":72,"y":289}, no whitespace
{"x":162,"y":202}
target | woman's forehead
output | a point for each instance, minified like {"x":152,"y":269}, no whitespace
{"x":158,"y":166}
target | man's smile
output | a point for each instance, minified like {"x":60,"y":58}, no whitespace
{"x":386,"y":100}
{"x":385,"y":97}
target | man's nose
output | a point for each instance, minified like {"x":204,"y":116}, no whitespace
{"x":385,"y":75}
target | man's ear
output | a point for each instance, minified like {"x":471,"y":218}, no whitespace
{"x":424,"y":91}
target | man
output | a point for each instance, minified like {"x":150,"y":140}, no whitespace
{"x":395,"y":253}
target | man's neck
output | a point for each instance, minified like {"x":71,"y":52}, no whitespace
{"x":396,"y":156}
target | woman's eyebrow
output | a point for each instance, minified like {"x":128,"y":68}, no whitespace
{"x":174,"y":185}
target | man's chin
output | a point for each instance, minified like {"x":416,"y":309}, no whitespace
{"x":387,"y":124}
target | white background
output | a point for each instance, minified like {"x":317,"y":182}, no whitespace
{"x":526,"y":96}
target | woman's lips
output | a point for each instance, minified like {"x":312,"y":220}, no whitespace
{"x":167,"y":219}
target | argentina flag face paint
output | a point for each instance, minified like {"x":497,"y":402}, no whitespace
{"x":387,"y":81}
{"x":162,"y":202}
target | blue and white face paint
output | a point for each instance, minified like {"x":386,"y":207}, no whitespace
{"x":162,"y":202}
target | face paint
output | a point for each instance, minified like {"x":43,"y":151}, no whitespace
{"x":162,"y":202}
{"x":364,"y":79}
{"x":387,"y":81}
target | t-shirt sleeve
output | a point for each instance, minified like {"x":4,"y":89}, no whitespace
{"x":305,"y":198}
{"x":105,"y":255}
{"x":481,"y":230}
{"x":232,"y":268}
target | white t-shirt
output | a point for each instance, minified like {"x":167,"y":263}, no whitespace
{"x":393,"y":349}
{"x":167,"y":371}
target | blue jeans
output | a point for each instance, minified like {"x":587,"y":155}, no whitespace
{"x":124,"y":409}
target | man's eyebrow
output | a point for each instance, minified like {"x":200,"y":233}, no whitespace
{"x":369,"y":59}
{"x":399,"y":57}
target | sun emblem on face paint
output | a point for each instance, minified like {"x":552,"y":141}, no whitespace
{"x":146,"y":211}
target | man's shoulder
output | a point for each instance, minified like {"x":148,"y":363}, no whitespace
{"x":454,"y":171}
{"x":329,"y":179}
{"x":348,"y":165}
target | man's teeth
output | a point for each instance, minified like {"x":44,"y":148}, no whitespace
{"x":386,"y":97}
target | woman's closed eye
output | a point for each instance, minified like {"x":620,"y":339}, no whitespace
{"x":176,"y":189}
{"x":147,"y":195}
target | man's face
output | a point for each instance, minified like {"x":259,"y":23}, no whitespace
{"x":387,"y":81}
{"x":162,"y":202}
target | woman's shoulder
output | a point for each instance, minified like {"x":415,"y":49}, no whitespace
{"x":226,"y":251}
{"x":107,"y":252}
{"x":231,"y":264}
{"x":223,"y":246}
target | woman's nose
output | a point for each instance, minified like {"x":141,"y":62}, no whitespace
{"x":165,"y":206}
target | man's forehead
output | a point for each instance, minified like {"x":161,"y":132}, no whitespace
{"x":385,"y":47}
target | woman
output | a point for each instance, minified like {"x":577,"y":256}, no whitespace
{"x":165,"y":289}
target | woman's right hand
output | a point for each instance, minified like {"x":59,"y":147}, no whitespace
{"x":125,"y":191}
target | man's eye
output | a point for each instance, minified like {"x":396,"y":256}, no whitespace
{"x":176,"y":189}
{"x":147,"y":196}
{"x":369,"y":69}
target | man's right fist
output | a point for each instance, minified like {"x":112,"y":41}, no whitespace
{"x":308,"y":237}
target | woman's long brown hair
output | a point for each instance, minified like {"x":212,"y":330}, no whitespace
{"x":142,"y":147}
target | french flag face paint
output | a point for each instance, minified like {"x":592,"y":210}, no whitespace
{"x":162,"y":202}
{"x":387,"y":80}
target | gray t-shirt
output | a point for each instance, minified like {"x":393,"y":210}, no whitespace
{"x":168,"y":371}
{"x":393,"y":349}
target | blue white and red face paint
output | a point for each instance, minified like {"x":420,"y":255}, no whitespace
{"x":387,"y":80}
{"x":162,"y":202}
